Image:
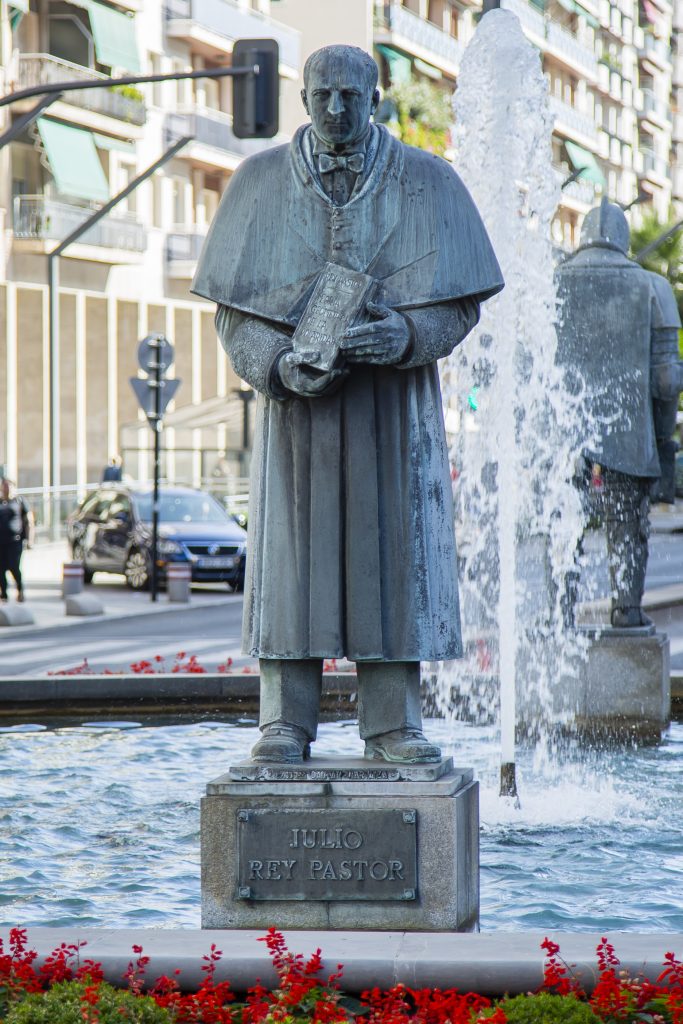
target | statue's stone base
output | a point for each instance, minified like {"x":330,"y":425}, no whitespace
{"x":622,"y":690}
{"x":627,"y":684}
{"x":341,"y":843}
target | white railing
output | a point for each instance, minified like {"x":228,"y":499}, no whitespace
{"x":654,"y":164}
{"x":556,"y":37}
{"x":656,"y":49}
{"x":653,"y":105}
{"x":573,"y":119}
{"x":212,"y":128}
{"x":184,"y":246}
{"x":419,"y":31}
{"x":40,"y":217}
{"x":45,"y":69}
{"x":226,"y":19}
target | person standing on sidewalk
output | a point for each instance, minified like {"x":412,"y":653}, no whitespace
{"x":15,"y":531}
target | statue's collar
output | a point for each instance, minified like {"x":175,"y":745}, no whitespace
{"x":384,"y":161}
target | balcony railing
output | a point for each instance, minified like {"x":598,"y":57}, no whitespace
{"x":211,"y":128}
{"x":184,"y":246}
{"x":44,"y":69}
{"x":556,"y":37}
{"x":39,"y":217}
{"x":574,"y":119}
{"x":654,"y":164}
{"x":583,"y":191}
{"x":653,"y":105}
{"x":418,"y":31}
{"x":657,"y":49}
{"x":224,"y":18}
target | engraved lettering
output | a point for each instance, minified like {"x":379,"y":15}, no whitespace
{"x":315,"y":865}
{"x":255,"y":869}
{"x":352,"y":839}
{"x":289,"y":864}
{"x":295,"y":837}
{"x":360,"y":866}
{"x":273,"y":870}
{"x":329,"y":872}
{"x":379,"y":870}
{"x":345,"y":872}
{"x":396,"y":869}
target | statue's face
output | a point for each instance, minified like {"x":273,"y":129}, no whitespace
{"x":340,"y":101}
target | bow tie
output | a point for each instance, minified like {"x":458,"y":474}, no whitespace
{"x":353,"y":162}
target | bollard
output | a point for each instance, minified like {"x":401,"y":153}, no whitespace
{"x":72,"y":578}
{"x":178,"y":580}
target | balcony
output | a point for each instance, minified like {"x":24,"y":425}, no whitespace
{"x":656,"y":50}
{"x":38,"y":218}
{"x":552,"y":37}
{"x":570,"y":121}
{"x":216,"y":24}
{"x":397,"y":26}
{"x":182,"y":251}
{"x":654,"y":166}
{"x":44,"y":69}
{"x":214,"y":142}
{"x":656,"y":109}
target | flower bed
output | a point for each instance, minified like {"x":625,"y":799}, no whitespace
{"x":182,"y":662}
{"x":70,"y":989}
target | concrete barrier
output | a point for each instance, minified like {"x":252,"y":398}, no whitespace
{"x":72,"y":578}
{"x":83,"y":604}
{"x":15,"y":615}
{"x":178,"y":582}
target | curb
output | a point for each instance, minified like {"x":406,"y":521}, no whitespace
{"x":23,"y":699}
{"x":490,"y":964}
{"x":153,"y":609}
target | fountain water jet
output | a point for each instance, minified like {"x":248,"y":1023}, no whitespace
{"x":515,"y":449}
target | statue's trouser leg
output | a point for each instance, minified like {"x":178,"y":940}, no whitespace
{"x":290,"y":693}
{"x":388,"y":697}
{"x":627,"y":508}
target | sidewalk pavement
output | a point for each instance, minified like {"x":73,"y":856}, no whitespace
{"x":41,"y":568}
{"x":667,"y":518}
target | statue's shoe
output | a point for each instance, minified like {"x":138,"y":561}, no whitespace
{"x":629,"y":618}
{"x":282,"y":744}
{"x":405,"y":746}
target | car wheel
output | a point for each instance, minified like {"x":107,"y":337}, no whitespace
{"x":78,"y":555}
{"x":137,"y":570}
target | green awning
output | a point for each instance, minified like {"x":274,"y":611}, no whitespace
{"x":107,"y":142}
{"x":114,"y":35}
{"x":427,"y":69}
{"x":585,"y":161}
{"x":73,"y":160}
{"x":400,"y":66}
{"x":17,"y":10}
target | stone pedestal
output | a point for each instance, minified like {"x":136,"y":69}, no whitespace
{"x":627,"y":686}
{"x":620,"y":690}
{"x":341,"y":844}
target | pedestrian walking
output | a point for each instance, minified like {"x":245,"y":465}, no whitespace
{"x":15,"y":532}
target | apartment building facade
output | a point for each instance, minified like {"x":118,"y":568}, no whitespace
{"x":611,"y":69}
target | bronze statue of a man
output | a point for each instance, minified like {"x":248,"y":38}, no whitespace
{"x":618,"y":339}
{"x":351,"y":549}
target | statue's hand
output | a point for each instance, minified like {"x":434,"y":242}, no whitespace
{"x":297,"y":376}
{"x":383,"y":341}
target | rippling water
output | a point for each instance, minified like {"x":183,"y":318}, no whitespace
{"x":100,"y":826}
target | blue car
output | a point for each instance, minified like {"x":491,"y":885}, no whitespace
{"x":111,"y":531}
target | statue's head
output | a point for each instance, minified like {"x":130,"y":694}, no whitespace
{"x":606,"y":224}
{"x":340,"y":93}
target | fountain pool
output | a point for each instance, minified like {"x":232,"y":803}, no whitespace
{"x":99,"y":826}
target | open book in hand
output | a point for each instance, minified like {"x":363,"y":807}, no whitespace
{"x":338,"y":302}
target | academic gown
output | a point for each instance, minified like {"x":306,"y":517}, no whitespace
{"x":351,"y":544}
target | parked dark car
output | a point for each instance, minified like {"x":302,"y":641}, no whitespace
{"x":111,"y":531}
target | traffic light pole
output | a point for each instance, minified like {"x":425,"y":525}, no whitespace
{"x":157,"y":473}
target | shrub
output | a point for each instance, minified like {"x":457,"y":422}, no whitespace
{"x":81,"y":1002}
{"x":544,"y":1008}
